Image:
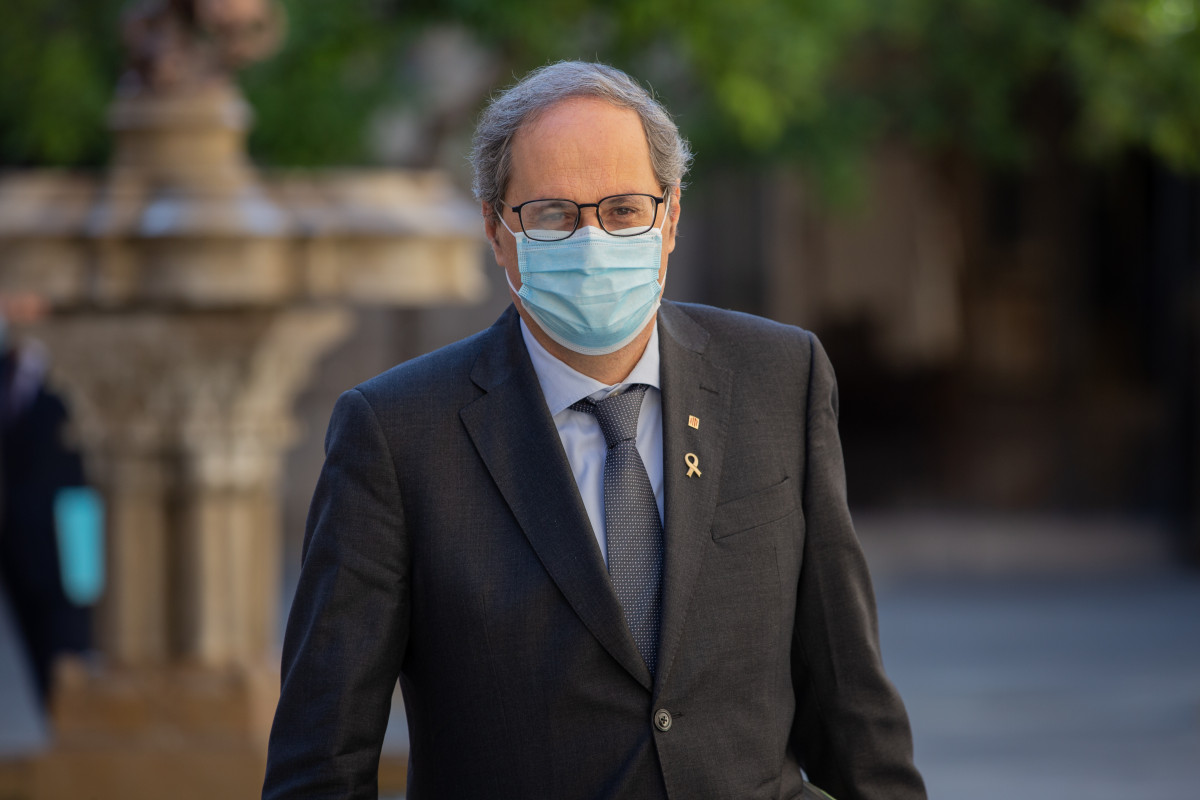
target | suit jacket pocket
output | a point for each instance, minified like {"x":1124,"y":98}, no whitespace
{"x":754,"y":510}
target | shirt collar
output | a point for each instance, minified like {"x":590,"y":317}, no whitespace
{"x":562,"y":385}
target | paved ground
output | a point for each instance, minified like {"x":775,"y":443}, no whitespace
{"x":1075,"y":680}
{"x":1075,"y":688}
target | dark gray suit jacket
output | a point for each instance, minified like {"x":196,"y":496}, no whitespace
{"x":447,"y":545}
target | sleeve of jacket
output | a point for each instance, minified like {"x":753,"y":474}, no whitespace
{"x":348,"y":626}
{"x":851,"y":730}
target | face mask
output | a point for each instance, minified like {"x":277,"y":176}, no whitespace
{"x":591,"y":292}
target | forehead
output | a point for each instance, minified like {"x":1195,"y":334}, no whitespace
{"x":581,"y":149}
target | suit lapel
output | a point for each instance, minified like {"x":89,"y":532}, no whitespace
{"x":516,"y":438}
{"x":691,"y":387}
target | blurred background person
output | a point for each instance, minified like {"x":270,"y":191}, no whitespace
{"x":37,"y":465}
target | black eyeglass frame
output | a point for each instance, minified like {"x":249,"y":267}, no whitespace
{"x":658,"y":201}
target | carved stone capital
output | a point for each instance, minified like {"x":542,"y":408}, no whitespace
{"x":185,"y":418}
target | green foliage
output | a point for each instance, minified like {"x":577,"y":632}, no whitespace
{"x":314,"y":98}
{"x":807,"y":80}
{"x":58,"y":66}
{"x":1136,"y":64}
{"x":955,"y":71}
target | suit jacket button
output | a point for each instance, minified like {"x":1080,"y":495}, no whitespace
{"x":662,"y":720}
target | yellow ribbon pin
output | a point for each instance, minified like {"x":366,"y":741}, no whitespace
{"x":693,"y":464}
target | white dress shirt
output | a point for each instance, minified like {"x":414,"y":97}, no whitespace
{"x":580,"y":432}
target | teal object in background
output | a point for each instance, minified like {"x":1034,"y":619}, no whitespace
{"x":79,"y":520}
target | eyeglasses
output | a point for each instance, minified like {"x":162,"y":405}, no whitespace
{"x":619,"y":215}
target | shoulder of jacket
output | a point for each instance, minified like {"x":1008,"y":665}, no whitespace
{"x":439,"y":373}
{"x":740,"y":330}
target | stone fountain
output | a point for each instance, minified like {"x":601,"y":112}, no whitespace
{"x":190,"y":299}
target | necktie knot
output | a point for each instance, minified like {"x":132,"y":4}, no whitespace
{"x":617,"y":414}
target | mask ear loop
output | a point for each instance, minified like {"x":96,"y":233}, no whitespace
{"x":508,"y":280}
{"x":516,"y":292}
{"x":500,"y":218}
{"x":662,"y":282}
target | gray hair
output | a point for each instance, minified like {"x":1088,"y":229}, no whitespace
{"x":491,"y":148}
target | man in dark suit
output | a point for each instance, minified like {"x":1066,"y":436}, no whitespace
{"x":603,"y":545}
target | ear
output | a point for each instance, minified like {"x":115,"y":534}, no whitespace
{"x":672,"y":222}
{"x":491,"y":228}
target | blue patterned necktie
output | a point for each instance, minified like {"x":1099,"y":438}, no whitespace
{"x":633,"y":530}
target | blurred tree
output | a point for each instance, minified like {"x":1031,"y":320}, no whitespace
{"x":314,"y":100}
{"x":1136,"y":67}
{"x":58,"y":66}
{"x":807,"y":80}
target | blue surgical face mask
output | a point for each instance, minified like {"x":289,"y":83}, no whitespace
{"x":592,"y":292}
